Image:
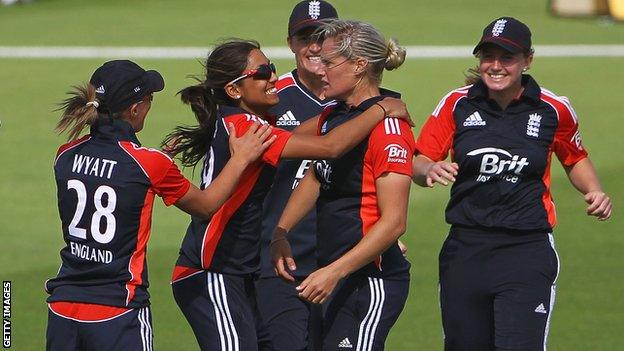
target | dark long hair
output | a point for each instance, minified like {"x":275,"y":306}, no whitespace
{"x":225,"y":63}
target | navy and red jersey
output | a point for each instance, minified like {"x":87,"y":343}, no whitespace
{"x":347,"y":205}
{"x":503,"y":155}
{"x":297,"y":105}
{"x":106,"y":187}
{"x":230,"y":241}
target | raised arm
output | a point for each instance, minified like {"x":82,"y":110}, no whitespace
{"x":346,"y":136}
{"x":299,"y":204}
{"x":583,"y":176}
{"x":245,"y":150}
{"x":392,"y":196}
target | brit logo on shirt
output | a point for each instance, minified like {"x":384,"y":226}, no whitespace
{"x":533,"y":125}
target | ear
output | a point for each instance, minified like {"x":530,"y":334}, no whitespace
{"x":134,"y":110}
{"x":528,"y":61}
{"x":233,"y":91}
{"x":360,"y":66}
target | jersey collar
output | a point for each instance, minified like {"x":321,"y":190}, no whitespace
{"x":366,"y":104}
{"x":531,"y":89}
{"x":114,"y":129}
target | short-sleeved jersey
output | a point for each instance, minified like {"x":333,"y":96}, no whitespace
{"x":347,"y":205}
{"x":230,"y":241}
{"x":503,"y":155}
{"x":106,"y":187}
{"x":297,"y":105}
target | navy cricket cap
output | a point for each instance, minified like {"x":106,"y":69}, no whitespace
{"x":310,"y":14}
{"x":508,"y":33}
{"x":121,"y":83}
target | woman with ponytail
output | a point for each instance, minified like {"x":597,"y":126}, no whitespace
{"x":106,"y":186}
{"x":361,"y":198}
{"x":213,"y":278}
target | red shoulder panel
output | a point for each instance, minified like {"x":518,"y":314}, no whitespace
{"x":567,"y":143}
{"x":243,"y":121}
{"x":436,"y":136}
{"x":284,"y":82}
{"x":63,"y":148}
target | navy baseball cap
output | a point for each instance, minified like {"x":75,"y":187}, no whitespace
{"x":121,"y":83}
{"x":508,"y":33}
{"x":310,"y":14}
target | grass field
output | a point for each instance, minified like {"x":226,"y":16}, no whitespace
{"x":589,"y":314}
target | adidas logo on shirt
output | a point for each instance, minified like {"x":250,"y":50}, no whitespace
{"x":474,"y":120}
{"x":287,"y":119}
{"x":100,"y":90}
{"x":345,"y":343}
{"x":540,"y":308}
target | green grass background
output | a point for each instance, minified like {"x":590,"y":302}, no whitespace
{"x":589,"y":313}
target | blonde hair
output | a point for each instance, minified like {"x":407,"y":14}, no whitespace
{"x":77,"y":113}
{"x":356,"y":39}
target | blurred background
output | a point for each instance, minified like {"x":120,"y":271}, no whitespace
{"x":589,"y":311}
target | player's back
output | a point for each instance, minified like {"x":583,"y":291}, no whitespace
{"x":105,"y":202}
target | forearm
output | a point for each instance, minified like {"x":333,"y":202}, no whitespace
{"x":308,"y":127}
{"x":346,"y":136}
{"x":420,"y":166}
{"x":205,"y":203}
{"x":583,"y":176}
{"x":301,"y":202}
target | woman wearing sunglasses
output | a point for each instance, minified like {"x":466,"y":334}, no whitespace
{"x":213,"y":278}
{"x":361,"y":198}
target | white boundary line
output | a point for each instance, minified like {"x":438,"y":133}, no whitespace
{"x":413,"y":52}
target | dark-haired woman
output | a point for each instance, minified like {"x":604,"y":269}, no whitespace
{"x":498,"y":266}
{"x":361,"y":198}
{"x":106,"y":187}
{"x":213,"y":278}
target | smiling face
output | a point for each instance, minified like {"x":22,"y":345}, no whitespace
{"x":256,"y":95}
{"x":501,"y":70}
{"x":337,"y":72}
{"x":306,"y":50}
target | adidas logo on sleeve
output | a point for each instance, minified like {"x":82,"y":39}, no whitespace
{"x":541,"y":308}
{"x":474,"y":120}
{"x":345,"y":344}
{"x":287,"y":119}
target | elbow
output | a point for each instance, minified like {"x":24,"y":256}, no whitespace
{"x":205,"y":213}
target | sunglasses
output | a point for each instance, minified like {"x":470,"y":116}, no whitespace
{"x":264,"y":71}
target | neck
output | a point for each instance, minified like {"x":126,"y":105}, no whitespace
{"x":312,"y":82}
{"x":505,"y":97}
{"x":364,"y":89}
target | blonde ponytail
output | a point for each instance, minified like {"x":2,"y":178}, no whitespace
{"x":79,"y":110}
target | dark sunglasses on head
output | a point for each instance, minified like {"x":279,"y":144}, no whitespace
{"x":261,"y":72}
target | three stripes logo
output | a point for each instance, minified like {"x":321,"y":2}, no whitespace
{"x":345,"y":344}
{"x":474,"y":120}
{"x":287,"y":119}
{"x":100,"y":89}
{"x":541,"y":308}
{"x":391,"y":126}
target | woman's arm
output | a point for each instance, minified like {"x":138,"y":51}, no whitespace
{"x":426,"y":172}
{"x":299,"y":204}
{"x":245,"y":150}
{"x":584,"y":178}
{"x":392,"y":198}
{"x":346,"y":136}
{"x":308,"y":127}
